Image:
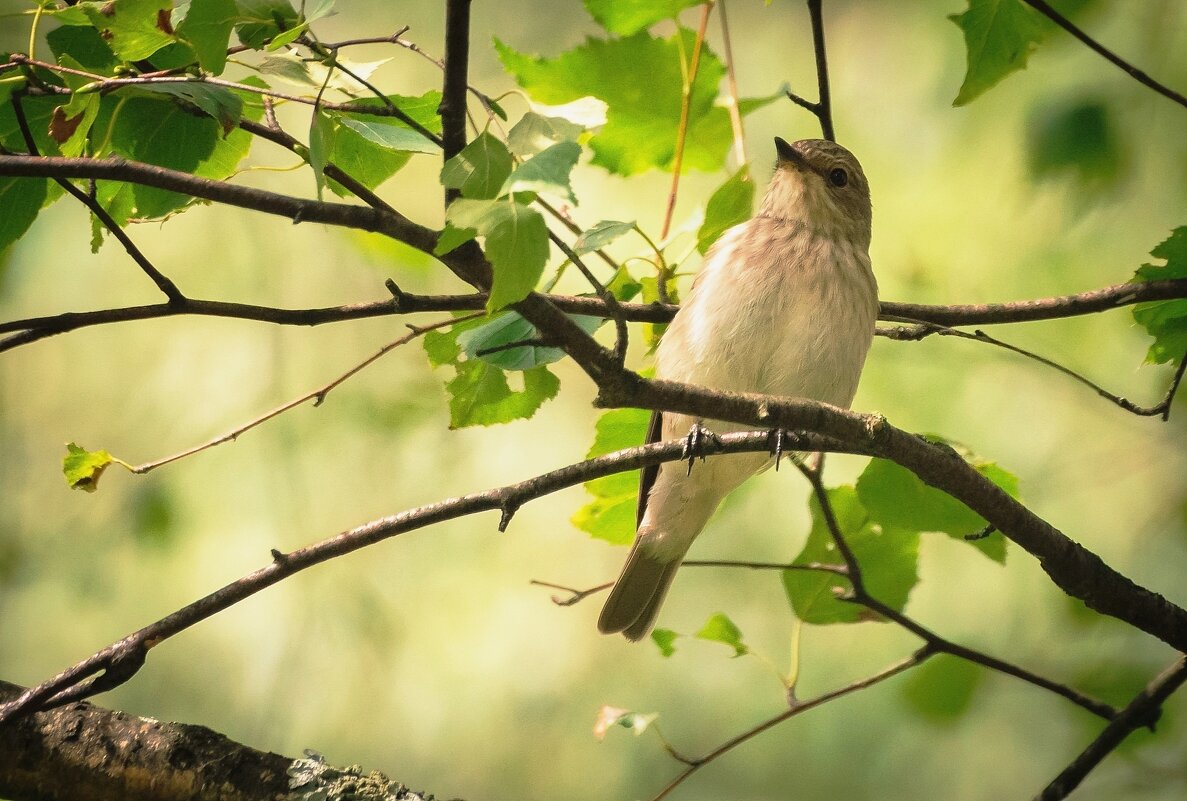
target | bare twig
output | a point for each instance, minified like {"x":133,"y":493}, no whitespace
{"x":318,"y":396}
{"x":797,"y":708}
{"x":163,"y":282}
{"x":919,"y":330}
{"x":822,"y":109}
{"x":620,"y":332}
{"x":575,"y":595}
{"x":682,"y":128}
{"x":1142,"y":711}
{"x":1096,"y":47}
{"x":121,"y":660}
{"x":732,"y":85}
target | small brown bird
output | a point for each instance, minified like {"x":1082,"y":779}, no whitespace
{"x":785,"y":304}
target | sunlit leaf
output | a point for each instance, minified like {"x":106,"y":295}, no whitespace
{"x":639,"y":78}
{"x":207,"y":27}
{"x":610,"y":516}
{"x":601,"y":234}
{"x":135,"y":29}
{"x":221,"y":104}
{"x":665,"y":641}
{"x":999,"y":36}
{"x":535,"y":132}
{"x":624,"y":17}
{"x":547,"y":172}
{"x":263,"y":20}
{"x":888,"y":559}
{"x":83,"y":468}
{"x":720,"y":628}
{"x":85,"y":45}
{"x":896,"y":497}
{"x":480,"y":395}
{"x":1165,"y":320}
{"x":516,"y":244}
{"x":732,"y":203}
{"x":480,"y":169}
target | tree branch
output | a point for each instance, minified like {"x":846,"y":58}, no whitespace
{"x":1138,"y":75}
{"x":86,"y":753}
{"x":1142,"y":711}
{"x":119,"y":661}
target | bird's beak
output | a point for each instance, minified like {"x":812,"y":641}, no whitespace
{"x":789,"y":154}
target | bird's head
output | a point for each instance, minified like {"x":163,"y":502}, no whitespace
{"x":822,"y":185}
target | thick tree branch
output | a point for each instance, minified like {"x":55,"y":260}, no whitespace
{"x":83,"y":752}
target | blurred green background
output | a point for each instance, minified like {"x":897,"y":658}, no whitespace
{"x":430,"y":656}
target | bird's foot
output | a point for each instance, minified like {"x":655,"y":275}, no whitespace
{"x":694,"y":444}
{"x":781,"y":438}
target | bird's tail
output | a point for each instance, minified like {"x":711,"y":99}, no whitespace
{"x":636,"y":597}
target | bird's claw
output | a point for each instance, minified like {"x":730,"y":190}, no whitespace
{"x":694,"y":444}
{"x":781,"y":440}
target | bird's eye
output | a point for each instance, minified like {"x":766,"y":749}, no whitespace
{"x":838,"y":177}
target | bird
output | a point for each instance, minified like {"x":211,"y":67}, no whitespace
{"x":784,"y":304}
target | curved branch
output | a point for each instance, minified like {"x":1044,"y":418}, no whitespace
{"x":1138,"y":75}
{"x":121,"y":660}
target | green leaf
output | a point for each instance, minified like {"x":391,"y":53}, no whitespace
{"x":547,"y":172}
{"x":84,"y":468}
{"x":217,"y":102}
{"x":942,"y":688}
{"x":1165,"y":320}
{"x":85,"y":45}
{"x":640,"y":80}
{"x":665,"y":641}
{"x":535,"y":132}
{"x":71,"y":123}
{"x":999,"y":36}
{"x":321,"y":142}
{"x":480,"y":395}
{"x":897,"y":497}
{"x":624,"y":17}
{"x":289,"y":68}
{"x":1078,"y":140}
{"x":480,"y":169}
{"x":610,"y":516}
{"x":389,"y":133}
{"x":21,"y":199}
{"x":732,"y":203}
{"x":887,"y":556}
{"x":516,"y":244}
{"x":263,"y":20}
{"x":161,"y":133}
{"x":720,"y":628}
{"x":600,"y":235}
{"x":135,"y":29}
{"x":452,"y":238}
{"x":508,"y":327}
{"x":207,"y":27}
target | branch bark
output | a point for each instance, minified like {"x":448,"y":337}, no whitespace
{"x":83,"y":752}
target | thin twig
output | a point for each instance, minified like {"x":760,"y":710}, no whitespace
{"x":799,"y":707}
{"x":318,"y":396}
{"x":682,"y":127}
{"x":620,"y":332}
{"x":1135,"y":73}
{"x":861,"y":595}
{"x":822,"y":108}
{"x":919,"y":330}
{"x":1142,"y":711}
{"x":732,"y":87}
{"x":575,"y":595}
{"x":163,"y":282}
{"x":118,"y":662}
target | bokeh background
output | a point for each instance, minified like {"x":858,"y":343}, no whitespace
{"x":430,"y":656}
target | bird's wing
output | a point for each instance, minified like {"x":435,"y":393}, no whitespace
{"x":647,"y":477}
